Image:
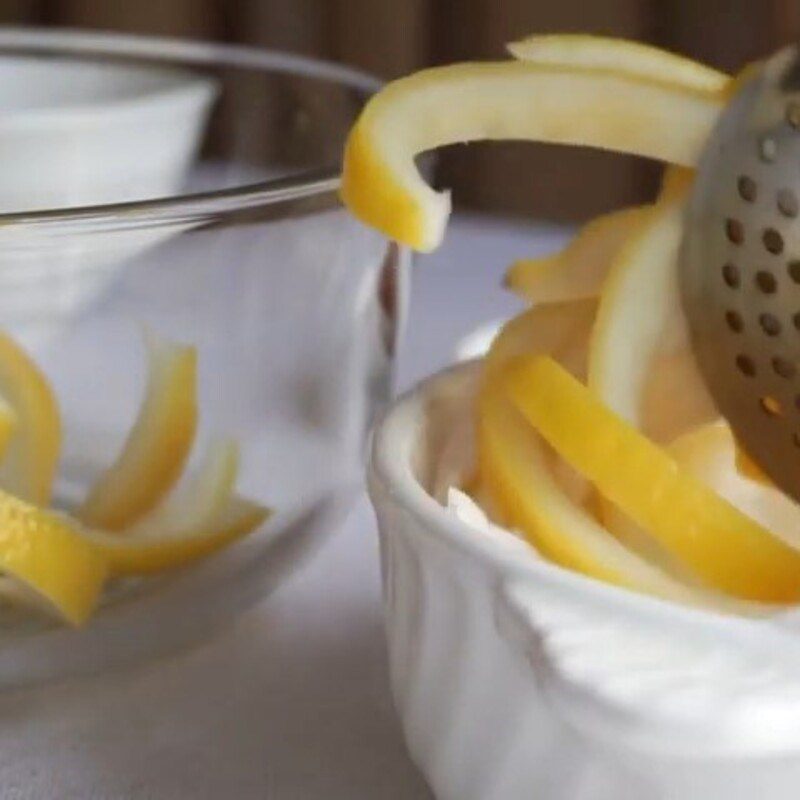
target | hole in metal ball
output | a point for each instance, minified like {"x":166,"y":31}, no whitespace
{"x":767,"y":149}
{"x":770,"y":324}
{"x":766,"y":281}
{"x":771,"y":406}
{"x":747,"y":188}
{"x":746,"y":365}
{"x":793,"y":114}
{"x":731,"y":275}
{"x":734,"y":320}
{"x":783,"y":367}
{"x":734,"y":230}
{"x":787,"y":202}
{"x":773,"y":241}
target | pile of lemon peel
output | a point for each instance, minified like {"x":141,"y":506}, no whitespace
{"x":138,"y":517}
{"x":583,"y":445}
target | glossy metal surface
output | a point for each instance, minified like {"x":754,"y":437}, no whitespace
{"x":740,"y":266}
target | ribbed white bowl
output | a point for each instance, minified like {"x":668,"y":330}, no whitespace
{"x":514,"y":678}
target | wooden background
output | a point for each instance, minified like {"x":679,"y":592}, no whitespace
{"x":391,"y":37}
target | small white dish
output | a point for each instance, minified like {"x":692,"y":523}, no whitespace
{"x":515,"y":678}
{"x":79,"y":133}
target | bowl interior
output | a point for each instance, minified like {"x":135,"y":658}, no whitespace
{"x":293,"y":308}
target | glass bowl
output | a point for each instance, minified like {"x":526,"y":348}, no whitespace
{"x":247,"y":254}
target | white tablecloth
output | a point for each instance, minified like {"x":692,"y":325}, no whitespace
{"x":293,"y":702}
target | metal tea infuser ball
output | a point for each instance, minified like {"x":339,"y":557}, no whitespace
{"x":740,"y":266}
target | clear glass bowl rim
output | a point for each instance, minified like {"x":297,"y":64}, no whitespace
{"x":179,"y":52}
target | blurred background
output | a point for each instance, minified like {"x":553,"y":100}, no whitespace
{"x":392,"y":37}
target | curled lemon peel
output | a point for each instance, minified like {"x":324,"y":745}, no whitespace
{"x":153,"y":550}
{"x":59,"y":563}
{"x":30,"y":426}
{"x":639,"y":316}
{"x":203,"y":495}
{"x":710,"y":453}
{"x":618,"y":55}
{"x":578,"y":271}
{"x":519,"y":483}
{"x":8,"y":424}
{"x":506,"y":100}
{"x":158,"y":445}
{"x":50,"y":555}
{"x":514,"y":472}
{"x":613,"y":95}
{"x":195,"y":520}
{"x":723,"y":547}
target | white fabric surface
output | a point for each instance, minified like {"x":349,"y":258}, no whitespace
{"x":293,"y":701}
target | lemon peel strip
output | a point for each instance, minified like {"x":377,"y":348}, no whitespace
{"x":526,"y":490}
{"x":723,"y":547}
{"x":158,"y":445}
{"x":640,"y":310}
{"x":618,"y":55}
{"x":578,"y":271}
{"x":515,"y":473}
{"x":202,"y":498}
{"x":30,"y":425}
{"x":156,"y":550}
{"x":50,"y":554}
{"x":194,"y":521}
{"x":506,"y":100}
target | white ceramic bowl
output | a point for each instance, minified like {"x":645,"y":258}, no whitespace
{"x":514,"y":678}
{"x":75,"y":133}
{"x":81,"y":134}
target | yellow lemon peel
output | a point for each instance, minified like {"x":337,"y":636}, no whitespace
{"x":614,"y":95}
{"x":578,"y":271}
{"x":723,"y":547}
{"x":31,"y":452}
{"x":506,"y":100}
{"x":134,"y":521}
{"x":533,"y":490}
{"x":618,"y":55}
{"x":157,"y":550}
{"x":50,"y":554}
{"x":158,"y":445}
{"x":196,"y":520}
{"x":640,"y":318}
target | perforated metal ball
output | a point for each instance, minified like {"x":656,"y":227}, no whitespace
{"x":740,"y":266}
